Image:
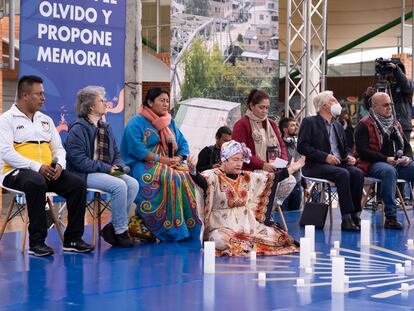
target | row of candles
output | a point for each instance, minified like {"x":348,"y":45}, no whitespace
{"x":307,"y":254}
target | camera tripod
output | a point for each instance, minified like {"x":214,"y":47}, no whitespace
{"x":383,"y":85}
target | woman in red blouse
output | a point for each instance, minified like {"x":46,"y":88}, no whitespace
{"x":263,"y":138}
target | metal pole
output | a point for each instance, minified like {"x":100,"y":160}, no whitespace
{"x":139,"y":54}
{"x":402,"y":25}
{"x":307,"y":67}
{"x":158,"y":26}
{"x":11,"y":34}
{"x":325,"y":39}
{"x":287,"y":82}
{"x":412,"y":44}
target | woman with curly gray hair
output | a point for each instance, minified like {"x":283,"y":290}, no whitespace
{"x":93,"y":154}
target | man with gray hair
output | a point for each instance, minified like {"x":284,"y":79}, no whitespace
{"x":384,"y":153}
{"x":322,"y":140}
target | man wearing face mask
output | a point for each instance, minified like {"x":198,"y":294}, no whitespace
{"x":322,"y":140}
{"x":289,"y":130}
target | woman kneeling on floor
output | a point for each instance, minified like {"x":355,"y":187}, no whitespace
{"x":235,"y":205}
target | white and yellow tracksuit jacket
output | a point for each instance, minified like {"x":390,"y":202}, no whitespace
{"x":28,"y":144}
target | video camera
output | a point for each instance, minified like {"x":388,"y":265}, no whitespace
{"x":382,"y":65}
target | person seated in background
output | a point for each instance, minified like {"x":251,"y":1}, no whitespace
{"x":289,"y":129}
{"x":235,"y":204}
{"x":383,"y":152}
{"x":322,"y":140}
{"x":346,"y":123}
{"x":92,"y":154}
{"x":33,"y":161}
{"x":262,"y":137}
{"x":209,"y":156}
{"x":154,"y":148}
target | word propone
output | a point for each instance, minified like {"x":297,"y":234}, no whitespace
{"x":73,"y":34}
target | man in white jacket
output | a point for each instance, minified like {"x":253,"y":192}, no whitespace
{"x":32,"y":160}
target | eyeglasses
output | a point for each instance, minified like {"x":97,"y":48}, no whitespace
{"x":386,"y":105}
{"x":40,"y":94}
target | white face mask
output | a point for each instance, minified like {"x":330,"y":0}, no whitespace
{"x":336,"y":110}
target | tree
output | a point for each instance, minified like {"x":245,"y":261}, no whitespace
{"x":195,"y":67}
{"x":206,"y":74}
{"x":197,"y":7}
{"x":240,"y":38}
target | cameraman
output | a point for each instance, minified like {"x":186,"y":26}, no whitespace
{"x":401,"y":94}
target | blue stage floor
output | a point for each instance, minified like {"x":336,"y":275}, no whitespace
{"x":169,"y":276}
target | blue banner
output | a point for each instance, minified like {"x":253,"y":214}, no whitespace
{"x":72,"y":44}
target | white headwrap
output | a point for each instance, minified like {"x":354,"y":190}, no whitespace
{"x":233,"y":147}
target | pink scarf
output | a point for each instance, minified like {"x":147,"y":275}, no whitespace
{"x":161,"y":124}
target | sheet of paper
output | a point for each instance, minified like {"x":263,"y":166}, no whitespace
{"x":279,"y":163}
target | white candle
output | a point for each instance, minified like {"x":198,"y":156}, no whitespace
{"x":262,"y":276}
{"x":333,"y":252}
{"x":346,"y":279}
{"x":313,"y":255}
{"x":305,"y":259}
{"x":365,"y":232}
{"x":338,"y":273}
{"x":300,"y":282}
{"x":310,"y":233}
{"x":407,"y":263}
{"x":253,"y":255}
{"x":398,"y":266}
{"x":405,"y":287}
{"x":308,"y":270}
{"x":209,"y":257}
{"x":336,"y":245}
{"x":401,"y":270}
{"x":410,"y":243}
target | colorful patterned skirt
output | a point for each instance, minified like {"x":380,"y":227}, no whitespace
{"x":166,"y":201}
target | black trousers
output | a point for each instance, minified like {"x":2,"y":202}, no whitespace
{"x":69,"y":186}
{"x":268,"y":216}
{"x":349,"y":181}
{"x":407,"y":134}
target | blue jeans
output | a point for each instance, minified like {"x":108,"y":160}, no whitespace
{"x":123,"y":190}
{"x":388,"y":174}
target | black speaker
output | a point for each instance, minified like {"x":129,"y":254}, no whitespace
{"x":314,"y":214}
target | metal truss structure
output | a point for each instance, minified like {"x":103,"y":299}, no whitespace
{"x":306,"y":32}
{"x":184,"y":29}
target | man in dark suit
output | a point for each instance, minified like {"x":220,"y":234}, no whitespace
{"x":322,"y":140}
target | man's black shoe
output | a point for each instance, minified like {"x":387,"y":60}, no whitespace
{"x":40,"y":250}
{"x":123,"y":240}
{"x":108,"y":234}
{"x":348,"y":225}
{"x":78,"y":246}
{"x":356,"y":219}
{"x":392,"y":223}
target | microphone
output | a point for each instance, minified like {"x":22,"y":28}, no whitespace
{"x":398,"y":155}
{"x":54,"y":162}
{"x":120,"y":171}
{"x":170,"y":147}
